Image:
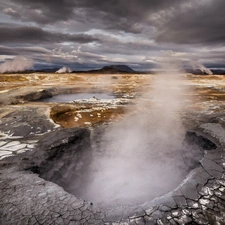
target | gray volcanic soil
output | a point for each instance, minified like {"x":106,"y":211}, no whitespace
{"x":26,"y":198}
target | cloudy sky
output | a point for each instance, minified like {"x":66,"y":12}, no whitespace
{"x":91,"y":33}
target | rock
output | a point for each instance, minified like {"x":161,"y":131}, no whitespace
{"x":32,"y":96}
{"x":63,"y":157}
{"x":26,"y":122}
{"x":193,"y":148}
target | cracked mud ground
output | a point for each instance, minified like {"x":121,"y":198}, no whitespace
{"x":28,"y":199}
{"x":29,"y":140}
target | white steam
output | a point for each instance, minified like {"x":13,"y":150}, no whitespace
{"x":140,"y":158}
{"x":19,"y":63}
{"x":202,"y":68}
{"x":64,"y":70}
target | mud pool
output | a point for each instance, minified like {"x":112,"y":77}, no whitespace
{"x":114,"y":177}
{"x":77,"y":96}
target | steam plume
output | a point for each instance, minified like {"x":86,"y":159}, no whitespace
{"x":64,"y":70}
{"x":140,"y":158}
{"x":202,"y":68}
{"x":19,"y":63}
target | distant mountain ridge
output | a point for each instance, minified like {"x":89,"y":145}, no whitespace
{"x":112,"y":69}
{"x":120,"y":69}
{"x":123,"y":68}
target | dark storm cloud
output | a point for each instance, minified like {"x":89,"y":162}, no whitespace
{"x":201,"y":24}
{"x":28,"y":35}
{"x":101,"y":31}
{"x":176,"y":21}
{"x":117,"y":46}
{"x":123,"y":15}
{"x":113,"y":14}
{"x":41,"y":11}
{"x":5,"y":50}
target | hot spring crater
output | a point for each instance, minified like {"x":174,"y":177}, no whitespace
{"x":70,"y":176}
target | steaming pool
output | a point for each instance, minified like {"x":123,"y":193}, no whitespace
{"x":77,"y":96}
{"x":113,"y":174}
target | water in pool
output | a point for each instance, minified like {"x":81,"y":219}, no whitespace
{"x":76,"y":96}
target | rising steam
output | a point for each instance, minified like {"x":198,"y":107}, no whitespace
{"x":19,"y":63}
{"x":140,"y":157}
{"x":202,"y":68}
{"x":64,"y":70}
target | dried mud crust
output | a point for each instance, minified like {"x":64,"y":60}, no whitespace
{"x":28,"y":199}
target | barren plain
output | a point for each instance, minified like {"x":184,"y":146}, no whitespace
{"x":19,"y":91}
